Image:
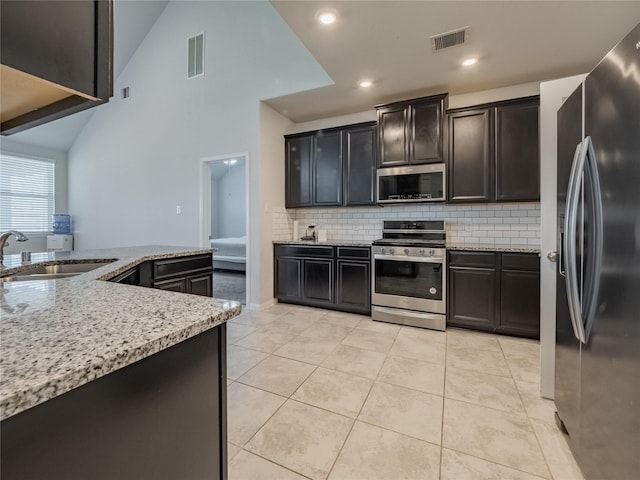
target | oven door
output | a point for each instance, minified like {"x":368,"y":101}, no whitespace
{"x":413,"y":283}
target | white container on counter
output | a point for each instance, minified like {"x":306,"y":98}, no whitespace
{"x":296,"y":230}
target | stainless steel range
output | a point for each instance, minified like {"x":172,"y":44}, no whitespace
{"x":410,"y":274}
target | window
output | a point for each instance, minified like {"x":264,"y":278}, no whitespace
{"x":195,"y":66}
{"x":27,"y":195}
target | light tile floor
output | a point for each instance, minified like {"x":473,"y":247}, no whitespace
{"x":326,"y":395}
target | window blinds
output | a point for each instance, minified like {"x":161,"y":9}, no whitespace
{"x":27,"y":195}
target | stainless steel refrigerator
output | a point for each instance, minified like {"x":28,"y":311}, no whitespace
{"x":597,"y":389}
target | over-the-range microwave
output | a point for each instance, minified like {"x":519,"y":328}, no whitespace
{"x":417,"y":183}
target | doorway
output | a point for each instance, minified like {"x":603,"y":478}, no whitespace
{"x":224,"y":223}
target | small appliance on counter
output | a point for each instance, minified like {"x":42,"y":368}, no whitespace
{"x":310,"y":235}
{"x":59,"y":243}
{"x":409,"y":274}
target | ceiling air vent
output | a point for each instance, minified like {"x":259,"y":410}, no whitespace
{"x":449,"y":39}
{"x":196,"y":56}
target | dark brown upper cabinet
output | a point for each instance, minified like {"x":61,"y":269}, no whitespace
{"x":332,"y":167}
{"x":493,"y":152}
{"x":326,"y":180}
{"x":470,"y":152}
{"x":517,"y":152}
{"x":57,"y":59}
{"x":410,"y":132}
{"x":360,"y":164}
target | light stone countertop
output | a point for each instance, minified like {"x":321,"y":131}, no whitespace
{"x":320,"y":244}
{"x":56,"y":335}
{"x":493,"y":248}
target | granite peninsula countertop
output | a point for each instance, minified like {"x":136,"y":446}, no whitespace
{"x":493,"y":248}
{"x":56,"y":335}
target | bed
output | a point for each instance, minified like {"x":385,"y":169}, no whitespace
{"x":231,"y":254}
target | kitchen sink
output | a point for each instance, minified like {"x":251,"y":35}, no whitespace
{"x":50,"y":272}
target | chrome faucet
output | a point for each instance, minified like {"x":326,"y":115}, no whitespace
{"x":21,"y":237}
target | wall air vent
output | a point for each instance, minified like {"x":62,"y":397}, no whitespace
{"x":196,"y":56}
{"x":450,"y":39}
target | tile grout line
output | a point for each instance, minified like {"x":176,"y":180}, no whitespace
{"x":346,"y":438}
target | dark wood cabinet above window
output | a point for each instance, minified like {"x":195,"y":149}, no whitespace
{"x":57,"y":59}
{"x":410,"y":132}
{"x":331,"y":168}
{"x":493,"y":152}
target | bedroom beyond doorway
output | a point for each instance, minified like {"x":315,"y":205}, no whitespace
{"x":228,"y":223}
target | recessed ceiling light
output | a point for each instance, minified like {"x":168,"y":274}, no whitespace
{"x":469,"y":61}
{"x":327,"y":17}
{"x":233,"y":161}
{"x":365,"y":83}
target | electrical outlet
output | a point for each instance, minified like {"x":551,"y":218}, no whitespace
{"x":178,"y":209}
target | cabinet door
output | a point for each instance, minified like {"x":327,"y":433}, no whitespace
{"x":472,"y":298}
{"x":174,"y":285}
{"x":520,"y":303}
{"x":360,"y":165}
{"x":353,"y":285}
{"x":392,"y":134}
{"x":318,"y":280}
{"x":298,"y":171}
{"x":288,"y":281}
{"x":470,"y":156}
{"x":517,"y":156}
{"x":426,"y":130}
{"x":200,"y":284}
{"x":327,"y":169}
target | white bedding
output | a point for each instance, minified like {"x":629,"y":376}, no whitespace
{"x":231,"y":254}
{"x":230,"y":247}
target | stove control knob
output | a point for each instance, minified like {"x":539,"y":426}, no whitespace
{"x":422,"y":252}
{"x":407,"y":251}
{"x":392,"y":251}
{"x":383,"y":251}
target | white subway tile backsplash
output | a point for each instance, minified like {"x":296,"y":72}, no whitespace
{"x":509,"y":223}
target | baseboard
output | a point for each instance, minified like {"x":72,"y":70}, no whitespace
{"x":262,"y":306}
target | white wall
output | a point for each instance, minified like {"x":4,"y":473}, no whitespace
{"x":229,"y":203}
{"x":552,"y":95}
{"x":273,"y":127}
{"x":215,"y":225}
{"x":137,"y":159}
{"x":38,"y":243}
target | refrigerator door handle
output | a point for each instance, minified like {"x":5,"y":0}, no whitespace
{"x":593,"y":284}
{"x":570,"y":240}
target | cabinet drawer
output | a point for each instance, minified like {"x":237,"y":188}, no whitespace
{"x":354,"y":252}
{"x":521,"y":261}
{"x":304,"y":251}
{"x":181,"y":266}
{"x":472,"y":259}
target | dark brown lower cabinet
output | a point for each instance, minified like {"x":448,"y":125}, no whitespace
{"x":318,"y":280}
{"x":472,"y":297}
{"x":163,"y":417}
{"x":191,"y":274}
{"x":353,"y":287}
{"x":495,"y":292}
{"x":336,"y":278}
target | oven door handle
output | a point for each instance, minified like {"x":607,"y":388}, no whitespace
{"x":395,"y":258}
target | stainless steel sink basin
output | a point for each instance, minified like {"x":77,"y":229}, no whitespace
{"x":49,"y":272}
